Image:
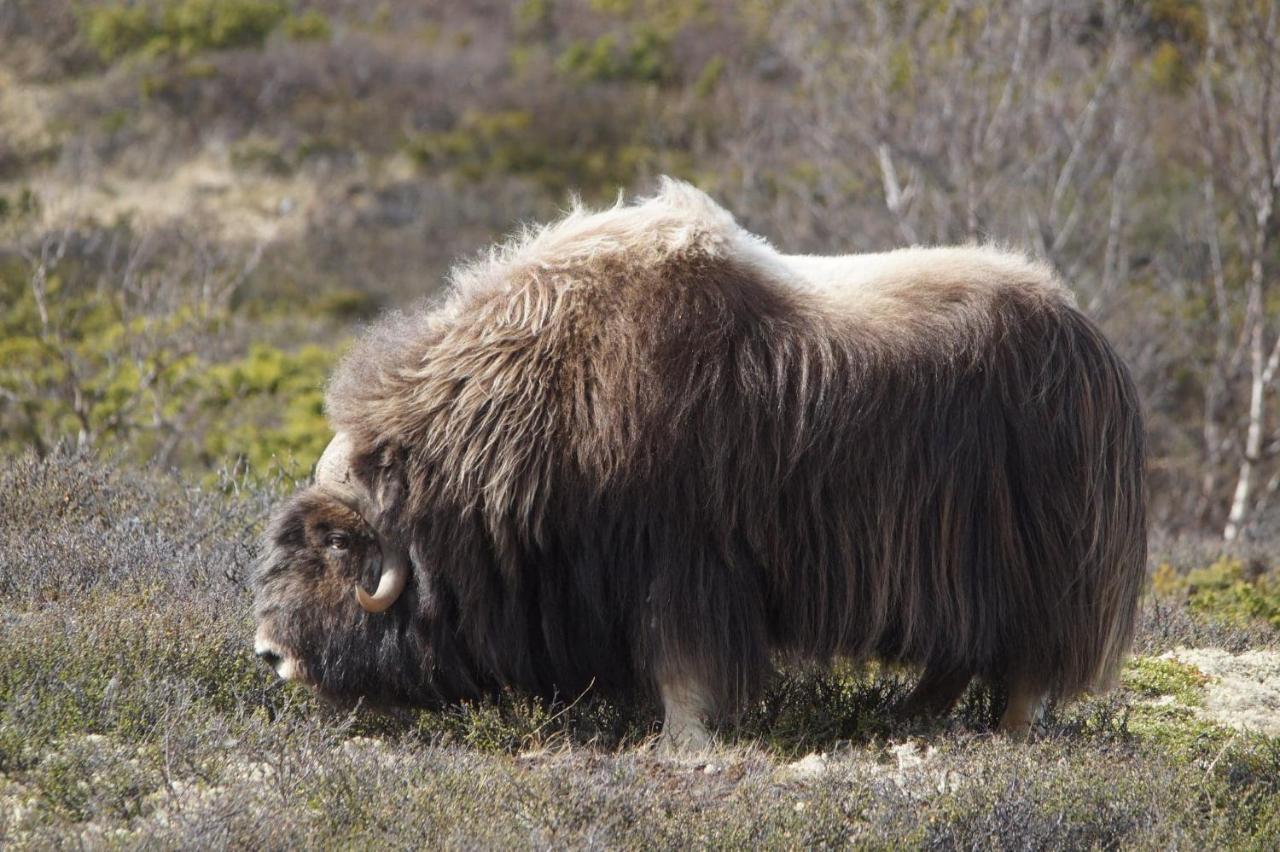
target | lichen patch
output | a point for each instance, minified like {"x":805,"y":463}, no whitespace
{"x":1243,"y":690}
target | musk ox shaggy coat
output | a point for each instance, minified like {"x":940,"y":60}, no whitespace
{"x":641,"y":449}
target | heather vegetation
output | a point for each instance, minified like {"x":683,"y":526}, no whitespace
{"x":133,"y":714}
{"x":201,"y":202}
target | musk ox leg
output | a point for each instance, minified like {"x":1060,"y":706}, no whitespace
{"x":935,"y":694}
{"x":1023,"y":707}
{"x":685,"y":707}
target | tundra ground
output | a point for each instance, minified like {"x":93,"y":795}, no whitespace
{"x":133,"y":714}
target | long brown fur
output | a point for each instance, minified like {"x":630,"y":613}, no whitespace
{"x":639,"y":442}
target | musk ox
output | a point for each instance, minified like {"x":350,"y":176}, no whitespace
{"x":639,"y":449}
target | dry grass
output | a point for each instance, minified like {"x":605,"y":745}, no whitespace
{"x":133,"y":714}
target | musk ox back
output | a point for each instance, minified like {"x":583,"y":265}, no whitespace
{"x":642,"y":450}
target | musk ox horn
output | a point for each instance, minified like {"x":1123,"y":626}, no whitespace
{"x":333,"y":473}
{"x":395,"y":574}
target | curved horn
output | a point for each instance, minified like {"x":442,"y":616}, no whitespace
{"x":395,"y":574}
{"x":333,"y":473}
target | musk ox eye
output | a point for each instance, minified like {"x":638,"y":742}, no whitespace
{"x":338,"y":540}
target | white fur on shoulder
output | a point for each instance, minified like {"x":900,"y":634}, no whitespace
{"x":681,"y":218}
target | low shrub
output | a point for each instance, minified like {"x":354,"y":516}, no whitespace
{"x":1225,"y":590}
{"x":143,"y":360}
{"x":132,"y":713}
{"x":187,"y":27}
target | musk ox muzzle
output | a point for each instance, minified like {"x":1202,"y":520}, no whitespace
{"x":640,"y":450}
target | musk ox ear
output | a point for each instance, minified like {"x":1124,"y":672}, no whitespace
{"x":334,"y":473}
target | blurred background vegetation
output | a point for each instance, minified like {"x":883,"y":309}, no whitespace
{"x":201,"y":200}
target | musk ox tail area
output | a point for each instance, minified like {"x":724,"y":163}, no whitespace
{"x":939,"y":468}
{"x":1068,"y":507}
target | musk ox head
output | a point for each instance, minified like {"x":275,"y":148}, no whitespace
{"x":313,"y":612}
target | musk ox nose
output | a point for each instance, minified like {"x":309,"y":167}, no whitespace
{"x":273,"y":655}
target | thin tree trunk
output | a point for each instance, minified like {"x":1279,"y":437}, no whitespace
{"x":1253,"y":438}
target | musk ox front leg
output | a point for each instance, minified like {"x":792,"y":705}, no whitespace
{"x":686,"y":706}
{"x":703,"y":633}
{"x":1023,"y":708}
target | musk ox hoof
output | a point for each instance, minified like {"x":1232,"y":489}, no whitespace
{"x":1025,"y":707}
{"x":684,"y":740}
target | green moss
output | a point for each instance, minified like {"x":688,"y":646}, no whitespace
{"x":1154,"y":677}
{"x":1177,"y":728}
{"x":1166,"y":713}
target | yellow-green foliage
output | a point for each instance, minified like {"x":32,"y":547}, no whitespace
{"x":638,"y":49}
{"x":269,"y":409}
{"x":1222,"y":591}
{"x":184,"y":27}
{"x":1180,"y":21}
{"x":482,"y":143}
{"x":1169,"y":693}
{"x":709,"y":77}
{"x":532,"y":18}
{"x":1169,"y":68}
{"x":1177,"y":728}
{"x":644,"y":56}
{"x":20,"y":206}
{"x":512,"y":142}
{"x":1154,"y":677}
{"x":1177,"y":33}
{"x":666,"y":16}
{"x":81,"y":364}
{"x":311,"y":25}
{"x":86,"y":365}
{"x":260,"y":155}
